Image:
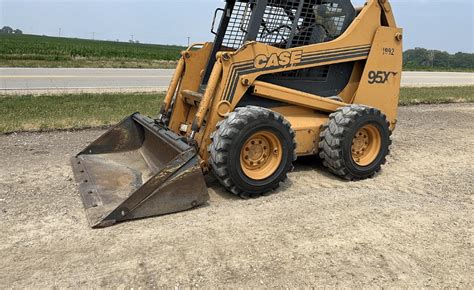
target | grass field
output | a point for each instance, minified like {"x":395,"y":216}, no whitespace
{"x":436,"y":95}
{"x":44,"y":51}
{"x":37,"y":113}
{"x":34,"y":113}
{"x":429,"y":69}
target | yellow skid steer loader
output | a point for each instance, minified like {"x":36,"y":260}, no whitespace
{"x":282,"y":79}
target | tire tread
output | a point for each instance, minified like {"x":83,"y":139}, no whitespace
{"x":227,"y":131}
{"x":336,"y":130}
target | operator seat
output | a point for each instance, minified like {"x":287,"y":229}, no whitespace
{"x":327,"y":21}
{"x":324,"y":20}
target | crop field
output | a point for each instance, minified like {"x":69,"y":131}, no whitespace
{"x":44,"y":51}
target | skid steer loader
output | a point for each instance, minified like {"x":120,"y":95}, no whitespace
{"x":282,"y":79}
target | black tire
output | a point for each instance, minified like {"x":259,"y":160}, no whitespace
{"x":336,"y":141}
{"x":229,"y":139}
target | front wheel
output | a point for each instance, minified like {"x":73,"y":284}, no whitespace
{"x":355,"y":142}
{"x":252,"y":150}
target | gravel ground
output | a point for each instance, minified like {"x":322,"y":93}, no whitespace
{"x":411,"y":226}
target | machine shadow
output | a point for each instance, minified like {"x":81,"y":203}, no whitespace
{"x":302,"y":164}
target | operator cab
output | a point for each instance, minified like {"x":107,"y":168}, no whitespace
{"x":286,"y":24}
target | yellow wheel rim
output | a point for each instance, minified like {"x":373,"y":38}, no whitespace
{"x":261,"y":155}
{"x":366,"y":145}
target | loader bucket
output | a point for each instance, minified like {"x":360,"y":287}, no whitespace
{"x":138,"y":169}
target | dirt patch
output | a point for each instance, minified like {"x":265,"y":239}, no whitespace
{"x":410,"y":226}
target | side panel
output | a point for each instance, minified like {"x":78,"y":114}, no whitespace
{"x":348,"y":94}
{"x":307,"y":126}
{"x":380,"y":83}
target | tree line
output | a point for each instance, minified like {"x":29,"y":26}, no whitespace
{"x":421,"y":58}
{"x":9,"y":30}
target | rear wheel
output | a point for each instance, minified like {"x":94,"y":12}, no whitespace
{"x":252,"y":150}
{"x":355,"y":142}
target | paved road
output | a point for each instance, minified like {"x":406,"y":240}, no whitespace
{"x":17,"y":80}
{"x":431,"y":79}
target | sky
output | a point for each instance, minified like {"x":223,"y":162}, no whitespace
{"x":436,"y":24}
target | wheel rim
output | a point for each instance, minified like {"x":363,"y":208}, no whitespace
{"x":261,"y":155}
{"x":366,"y":145}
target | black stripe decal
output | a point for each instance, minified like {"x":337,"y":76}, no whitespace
{"x":345,"y":49}
{"x":316,"y":58}
{"x":334,"y":53}
{"x":232,"y":75}
{"x":334,"y":58}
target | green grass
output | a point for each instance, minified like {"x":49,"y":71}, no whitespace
{"x":42,"y":113}
{"x":45,"y":51}
{"x":436,"y":95}
{"x":438,"y":69}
